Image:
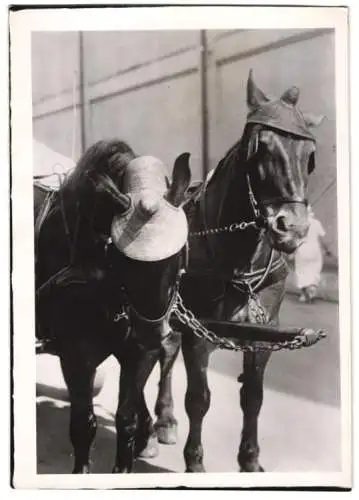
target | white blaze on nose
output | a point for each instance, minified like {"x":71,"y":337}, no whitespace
{"x":261,"y":171}
{"x":301,"y":187}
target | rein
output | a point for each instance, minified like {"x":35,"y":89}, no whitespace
{"x":231,"y":228}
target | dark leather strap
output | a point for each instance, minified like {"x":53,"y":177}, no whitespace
{"x":277,"y":272}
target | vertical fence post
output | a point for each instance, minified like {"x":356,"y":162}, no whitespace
{"x":85,"y":109}
{"x":204,"y":101}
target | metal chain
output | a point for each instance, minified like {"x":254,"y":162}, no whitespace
{"x":236,"y":226}
{"x":187,"y":318}
{"x":258,"y":314}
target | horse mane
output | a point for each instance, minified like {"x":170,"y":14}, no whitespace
{"x":104,"y":157}
{"x":237,"y":153}
{"x":78,"y":197}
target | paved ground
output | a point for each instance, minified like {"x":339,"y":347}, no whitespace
{"x":299,"y":423}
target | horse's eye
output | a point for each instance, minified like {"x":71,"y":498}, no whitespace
{"x":311,"y":163}
{"x":267,"y":140}
{"x":266,"y":137}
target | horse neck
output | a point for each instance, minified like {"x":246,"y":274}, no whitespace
{"x":226,"y":202}
{"x":75,"y":209}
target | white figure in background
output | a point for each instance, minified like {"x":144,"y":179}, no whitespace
{"x":308,"y":260}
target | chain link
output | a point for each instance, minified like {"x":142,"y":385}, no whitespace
{"x":187,"y":318}
{"x":236,"y":226}
{"x":257,"y":314}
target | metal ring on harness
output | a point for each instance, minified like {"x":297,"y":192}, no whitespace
{"x":235,"y":226}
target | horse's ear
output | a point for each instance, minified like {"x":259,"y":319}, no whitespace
{"x":181,"y":177}
{"x":313,"y":120}
{"x":291,"y":96}
{"x":255,"y":97}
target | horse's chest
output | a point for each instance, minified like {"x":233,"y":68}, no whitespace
{"x":212,"y":297}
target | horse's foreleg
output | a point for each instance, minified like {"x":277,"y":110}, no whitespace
{"x":146,"y":444}
{"x":197,"y":400}
{"x":80,"y":380}
{"x":166,"y":424}
{"x":251,"y":398}
{"x":135,"y":370}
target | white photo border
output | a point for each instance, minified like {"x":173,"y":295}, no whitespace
{"x":22,"y":23}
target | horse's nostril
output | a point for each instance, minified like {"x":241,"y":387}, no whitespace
{"x":280,"y":223}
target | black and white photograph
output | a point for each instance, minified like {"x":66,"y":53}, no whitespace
{"x":180,"y":247}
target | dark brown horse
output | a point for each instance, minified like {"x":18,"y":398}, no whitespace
{"x":253,"y":208}
{"x":97,"y":255}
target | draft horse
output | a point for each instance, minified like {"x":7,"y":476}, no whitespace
{"x":105,"y":283}
{"x":250,"y":211}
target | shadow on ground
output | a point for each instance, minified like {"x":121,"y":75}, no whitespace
{"x":54,"y":451}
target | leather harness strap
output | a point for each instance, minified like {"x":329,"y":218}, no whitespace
{"x":44,"y":211}
{"x":254,"y":280}
{"x":263,"y":277}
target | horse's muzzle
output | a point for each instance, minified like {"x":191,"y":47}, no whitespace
{"x":287,"y":231}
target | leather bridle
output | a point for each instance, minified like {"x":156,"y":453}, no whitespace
{"x":156,"y":321}
{"x":252,"y":157}
{"x":106,"y":242}
{"x":259,"y":222}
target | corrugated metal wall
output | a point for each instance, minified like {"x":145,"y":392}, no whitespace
{"x":145,"y":87}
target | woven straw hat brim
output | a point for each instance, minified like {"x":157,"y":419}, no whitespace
{"x":150,"y":239}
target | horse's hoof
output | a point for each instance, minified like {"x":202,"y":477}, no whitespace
{"x":84,"y":469}
{"x":151,"y":448}
{"x":252,"y":467}
{"x":196,"y":468}
{"x":120,"y":470}
{"x":167,"y":434}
